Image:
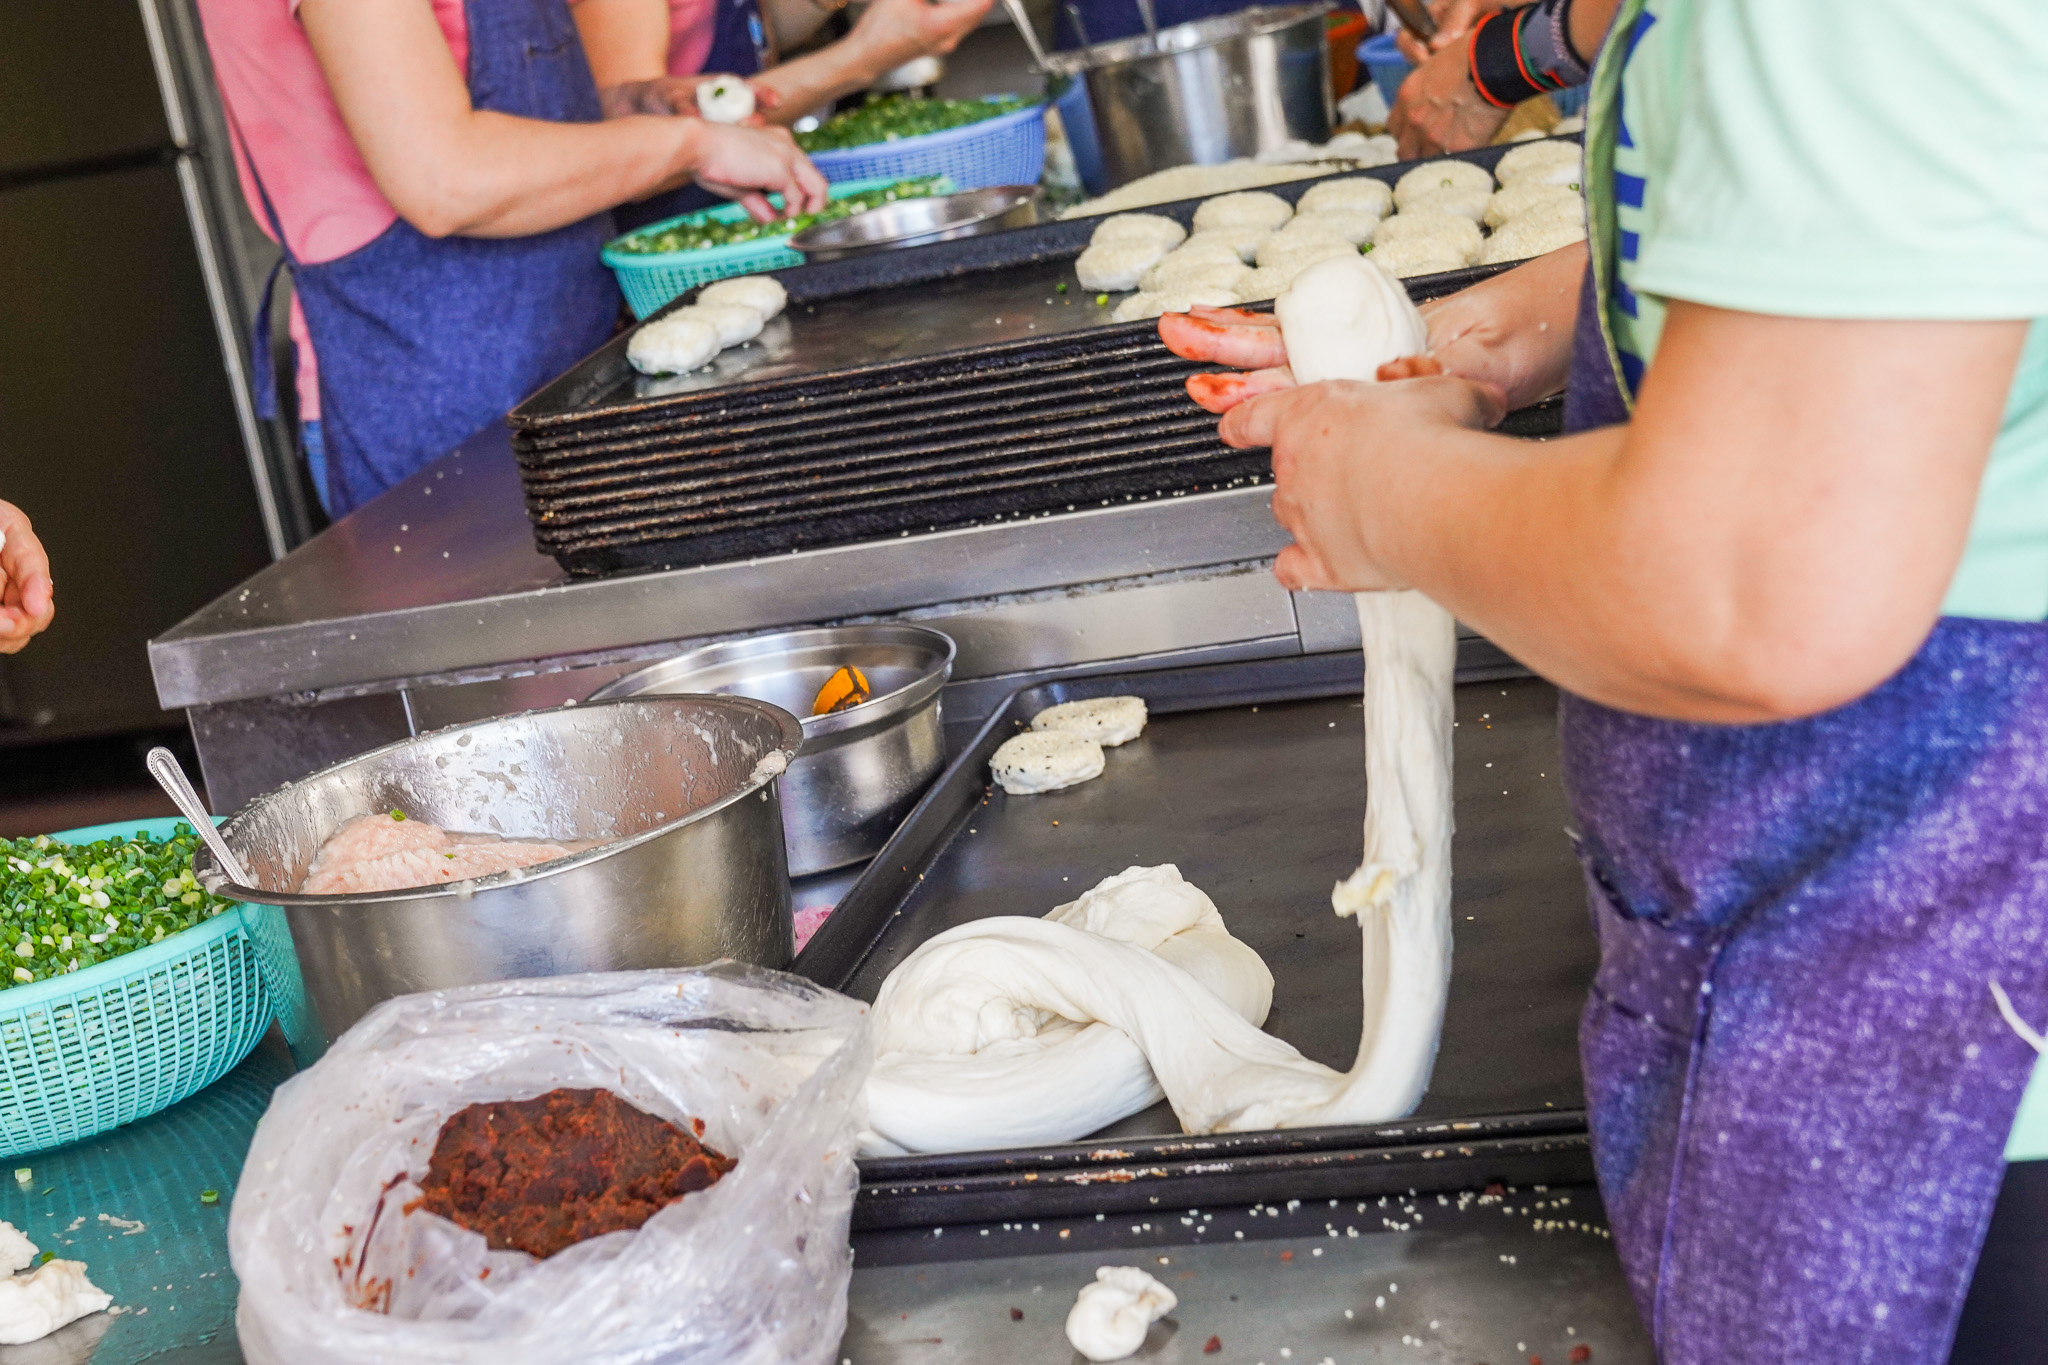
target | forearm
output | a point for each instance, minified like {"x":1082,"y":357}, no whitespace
{"x":1588,"y":23}
{"x":1513,"y":331}
{"x":806,"y":84}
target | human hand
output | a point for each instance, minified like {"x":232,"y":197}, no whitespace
{"x":1454,"y":19}
{"x":893,"y":32}
{"x":1439,"y":109}
{"x":675,"y":95}
{"x":749,"y":164}
{"x":27,"y":596}
{"x":1336,"y":447}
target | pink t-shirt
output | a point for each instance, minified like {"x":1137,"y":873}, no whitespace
{"x":284,"y":118}
{"x":690,"y":24}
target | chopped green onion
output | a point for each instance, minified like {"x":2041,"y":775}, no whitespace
{"x":698,"y":231}
{"x":890,"y":118}
{"x":209,"y":1196}
{"x":23,"y":1175}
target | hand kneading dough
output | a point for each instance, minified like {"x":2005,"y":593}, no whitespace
{"x":1344,"y":317}
{"x":1044,"y":761}
{"x":676,"y":344}
{"x":758,"y":292}
{"x":982,"y":1041}
{"x":1257,"y":208}
{"x":1116,"y":266}
{"x":1109,"y":721}
{"x":1111,"y":1316}
{"x":1150,"y":228}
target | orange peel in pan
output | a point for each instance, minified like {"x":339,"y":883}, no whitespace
{"x":847,"y":687}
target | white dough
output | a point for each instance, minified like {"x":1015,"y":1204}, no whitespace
{"x":1044,"y":761}
{"x":1530,"y":196}
{"x":1110,"y":1317}
{"x":764,"y":295}
{"x":1355,"y":226}
{"x":51,"y":1296}
{"x":1304,"y":253}
{"x":1109,"y":721}
{"x":734,"y":322}
{"x":1191,"y":263}
{"x":1529,"y":237}
{"x":1357,"y":194}
{"x":1187,"y":276}
{"x":1269,"y":281}
{"x":1117,"y":266}
{"x":1550,"y":163}
{"x":1256,"y":208}
{"x":725,"y":99}
{"x":1178,"y":299}
{"x":1298,"y":234}
{"x":1150,"y":228}
{"x":1344,"y":317}
{"x":17,"y":1252}
{"x":1422,"y":256}
{"x":1432,"y":177}
{"x":676,"y":344}
{"x":977,"y":1045}
{"x":1452,"y":231}
{"x":1464,"y":201}
{"x":1241,"y":238}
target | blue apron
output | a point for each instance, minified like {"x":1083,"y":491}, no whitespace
{"x":1798,"y":1081}
{"x":739,"y":47}
{"x":420,"y":341}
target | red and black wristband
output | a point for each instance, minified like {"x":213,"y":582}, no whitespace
{"x":1498,"y":71}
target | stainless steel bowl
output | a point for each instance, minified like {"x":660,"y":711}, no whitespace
{"x":862,"y":769}
{"x":688,"y":868}
{"x":1206,"y":91}
{"x":915,"y":222}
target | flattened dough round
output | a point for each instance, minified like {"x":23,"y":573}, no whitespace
{"x":1354,"y":194}
{"x":1432,"y":177}
{"x":1552,"y":163}
{"x":1257,"y":208}
{"x":1045,"y":761}
{"x":1150,"y":228}
{"x":758,"y":292}
{"x":1109,"y":721}
{"x":1116,"y":266}
{"x":676,"y":344}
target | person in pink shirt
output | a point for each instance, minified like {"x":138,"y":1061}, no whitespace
{"x":439,"y":175}
{"x":660,"y":49}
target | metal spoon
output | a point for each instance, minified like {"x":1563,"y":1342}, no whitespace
{"x":1023,"y":23}
{"x":164,"y":767}
{"x":1151,"y":20}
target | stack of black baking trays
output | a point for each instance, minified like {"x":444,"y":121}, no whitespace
{"x":901,"y":392}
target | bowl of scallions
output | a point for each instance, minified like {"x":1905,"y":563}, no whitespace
{"x":124,"y":985}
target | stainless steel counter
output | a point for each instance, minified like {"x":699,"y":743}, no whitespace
{"x":431,"y":606}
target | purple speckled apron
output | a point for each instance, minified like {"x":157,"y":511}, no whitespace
{"x":1799,"y":1084}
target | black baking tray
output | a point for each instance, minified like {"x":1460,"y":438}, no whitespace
{"x":1251,"y":778}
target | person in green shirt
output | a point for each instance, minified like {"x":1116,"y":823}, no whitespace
{"x":1790,"y":570}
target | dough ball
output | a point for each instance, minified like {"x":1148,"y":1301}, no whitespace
{"x":1449,"y":229}
{"x":1343,"y":319}
{"x":1530,"y":196}
{"x":735,"y":321}
{"x":1045,"y":760}
{"x":1292,"y":241}
{"x":764,"y":295}
{"x":676,"y":344}
{"x":1532,"y":235}
{"x":1434,"y":176}
{"x":1419,"y":256}
{"x":1170,"y":275}
{"x":1549,"y":163}
{"x":1110,"y":1317}
{"x":1377,"y":150}
{"x":1117,"y":266}
{"x":1255,"y":208}
{"x":725,"y":99}
{"x":1152,"y":302}
{"x":1353,"y":194}
{"x":1151,"y":228}
{"x":1353,"y":225}
{"x":1307,"y":253}
{"x":1461,"y":200}
{"x":1242,"y":238}
{"x":1109,"y":721}
{"x":1267,"y":282}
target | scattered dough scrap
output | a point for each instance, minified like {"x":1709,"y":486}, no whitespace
{"x":1256,"y":208}
{"x":17,"y":1252}
{"x":1045,"y":760}
{"x":1109,"y":721}
{"x":1111,"y":1316}
{"x":51,"y":1296}
{"x":1151,"y":228}
{"x":1431,"y":177}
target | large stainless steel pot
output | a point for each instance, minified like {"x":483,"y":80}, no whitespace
{"x":1206,"y":91}
{"x":688,"y":868}
{"x":862,"y":769}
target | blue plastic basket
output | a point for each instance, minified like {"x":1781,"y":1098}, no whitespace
{"x":122,"y":1039}
{"x":650,"y":281}
{"x":1381,"y":57}
{"x":1008,"y":149}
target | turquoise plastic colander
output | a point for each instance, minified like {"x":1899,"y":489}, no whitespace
{"x":122,"y":1039}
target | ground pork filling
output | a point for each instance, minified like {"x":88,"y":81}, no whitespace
{"x":543,"y":1174}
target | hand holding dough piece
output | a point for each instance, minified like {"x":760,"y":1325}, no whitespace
{"x":1110,"y":1317}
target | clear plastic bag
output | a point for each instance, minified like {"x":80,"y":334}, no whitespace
{"x":335,"y":1271}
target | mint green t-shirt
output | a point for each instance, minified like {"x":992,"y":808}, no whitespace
{"x":1904,"y":175}
{"x":1843,"y":159}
